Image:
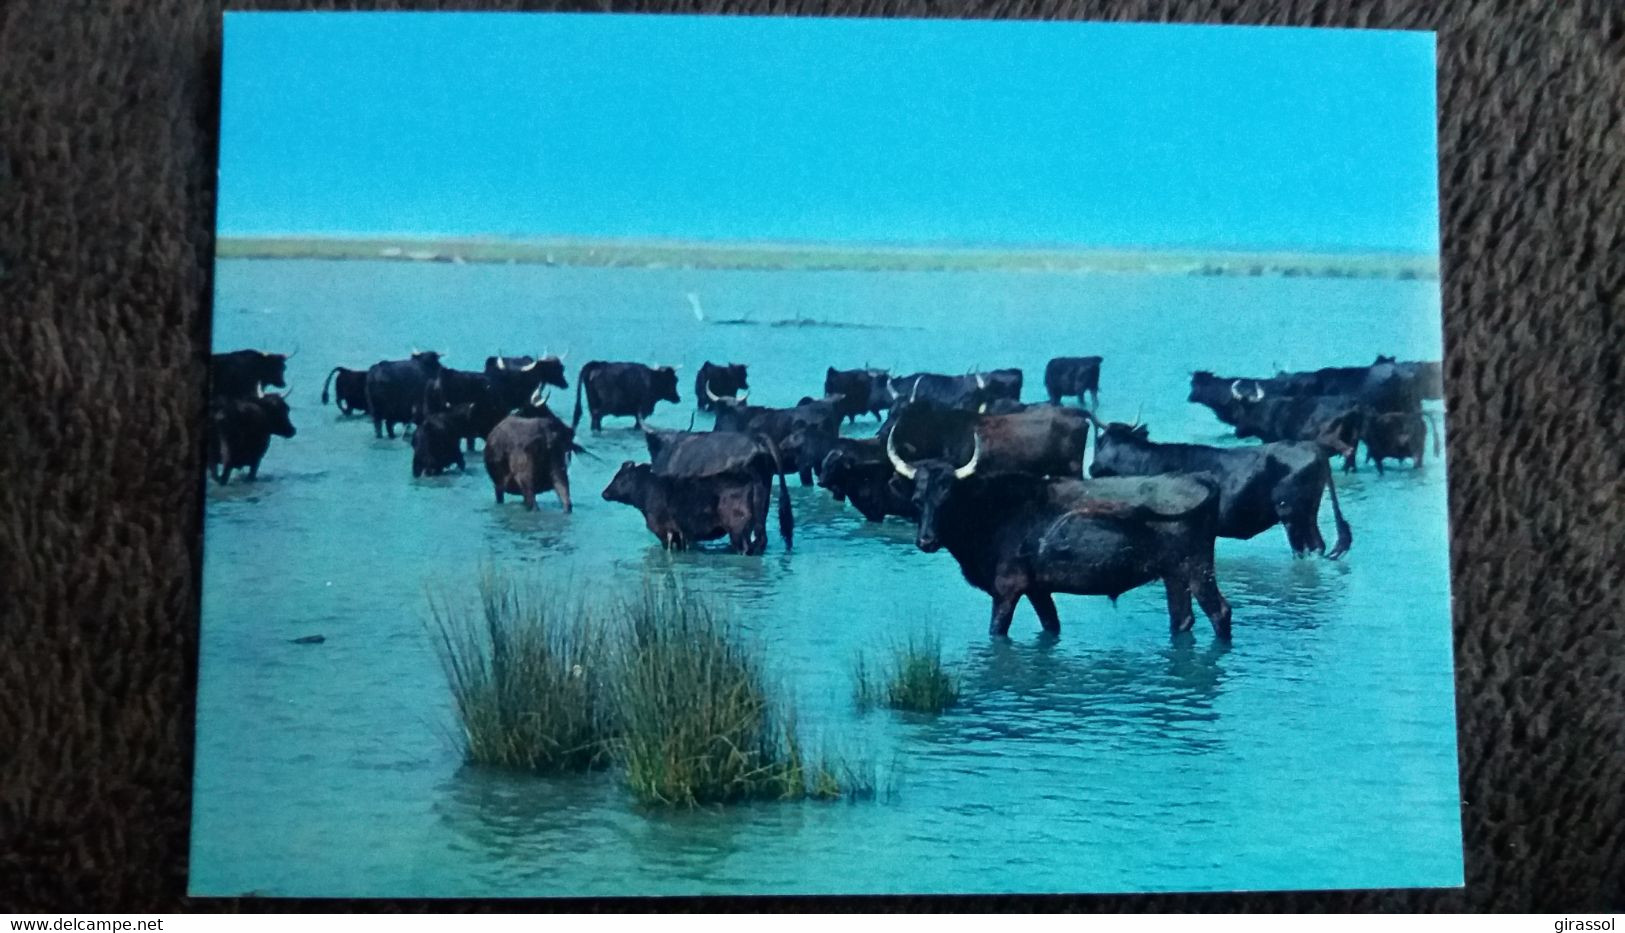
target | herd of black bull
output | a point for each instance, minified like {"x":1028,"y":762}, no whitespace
{"x":995,"y":481}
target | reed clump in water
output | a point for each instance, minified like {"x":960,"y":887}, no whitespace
{"x":910,"y":677}
{"x":700,"y":720}
{"x":527,"y":673}
{"x":660,"y":685}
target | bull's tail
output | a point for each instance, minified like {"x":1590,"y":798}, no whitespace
{"x":1433,"y":425}
{"x":1345,"y":536}
{"x":787,"y":518}
{"x":329,"y":381}
{"x":581,"y":381}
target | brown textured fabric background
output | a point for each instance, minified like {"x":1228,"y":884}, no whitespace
{"x":107,"y":139}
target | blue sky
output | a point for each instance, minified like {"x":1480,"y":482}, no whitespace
{"x":733,"y":128}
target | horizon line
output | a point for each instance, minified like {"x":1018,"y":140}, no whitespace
{"x":790,"y":244}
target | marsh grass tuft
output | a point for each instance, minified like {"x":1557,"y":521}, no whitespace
{"x":660,"y":685}
{"x":527,"y":674}
{"x":701,"y":721}
{"x":911,"y":677}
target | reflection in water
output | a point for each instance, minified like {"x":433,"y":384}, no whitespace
{"x":1281,"y":592}
{"x":1043,"y":691}
{"x":524,"y":824}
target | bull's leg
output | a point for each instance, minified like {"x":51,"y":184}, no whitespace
{"x":1094,"y":394}
{"x":597,"y":422}
{"x":253,"y":471}
{"x":1378,"y":461}
{"x":470,"y":440}
{"x":1214,"y":605}
{"x":806,"y":476}
{"x":1044,"y":605}
{"x":761,"y":503}
{"x":1180,"y":616}
{"x":1292,"y":539}
{"x":497,"y":487}
{"x":561,"y":485}
{"x":1004,"y":609}
{"x":528,"y":489}
{"x":1055,"y":398}
{"x":378,"y":427}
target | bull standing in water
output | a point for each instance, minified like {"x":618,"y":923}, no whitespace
{"x":240,"y":433}
{"x":1016,"y":535}
{"x":623,"y":389}
{"x":349,"y":390}
{"x":703,"y":486}
{"x":1259,"y":487}
{"x":530,"y":451}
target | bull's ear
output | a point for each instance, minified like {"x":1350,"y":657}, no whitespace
{"x":1142,"y":432}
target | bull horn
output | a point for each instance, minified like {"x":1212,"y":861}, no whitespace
{"x":898,"y":463}
{"x":1094,"y":419}
{"x":980,"y":382}
{"x":1234,"y":392}
{"x":290,"y":356}
{"x":538,"y":398}
{"x":744,"y":398}
{"x":1258,"y":392}
{"x":526,"y":369}
{"x":259,"y":390}
{"x":969,"y":468}
{"x":891,"y":389}
{"x":914,"y":391}
{"x":502,"y":363}
{"x":708,"y":393}
{"x":1137,"y":413}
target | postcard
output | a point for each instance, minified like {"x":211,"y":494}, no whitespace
{"x":674,"y":455}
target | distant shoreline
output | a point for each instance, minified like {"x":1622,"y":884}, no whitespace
{"x":812,"y":256}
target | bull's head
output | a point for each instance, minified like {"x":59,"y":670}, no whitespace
{"x":1117,"y":446}
{"x":1256,"y":395}
{"x":933,"y":482}
{"x":277,"y":415}
{"x":664,"y":383}
{"x":628,"y":484}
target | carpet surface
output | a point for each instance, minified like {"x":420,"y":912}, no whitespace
{"x":108,"y":112}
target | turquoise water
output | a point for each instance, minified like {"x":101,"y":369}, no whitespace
{"x":1316,"y":751}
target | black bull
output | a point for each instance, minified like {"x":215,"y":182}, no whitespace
{"x":715,"y":382}
{"x":1073,"y":375}
{"x":969,"y":392}
{"x":857,"y":470}
{"x":623,"y":390}
{"x":700,"y":486}
{"x":802,"y":435}
{"x":452,"y":388}
{"x":1259,"y":487}
{"x":245,"y":373}
{"x":240,"y":432}
{"x":861,"y":390}
{"x":516,"y":378}
{"x":395,"y":390}
{"x":1016,"y":535}
{"x":1044,"y":440}
{"x":349,"y":389}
